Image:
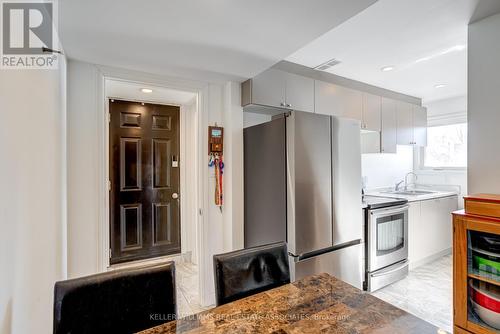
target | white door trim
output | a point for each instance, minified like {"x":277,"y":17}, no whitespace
{"x":201,"y":90}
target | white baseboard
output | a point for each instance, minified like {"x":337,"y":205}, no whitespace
{"x":430,"y":258}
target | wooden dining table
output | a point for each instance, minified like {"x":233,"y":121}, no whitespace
{"x":315,"y":304}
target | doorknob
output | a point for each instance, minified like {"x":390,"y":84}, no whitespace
{"x":175,"y":195}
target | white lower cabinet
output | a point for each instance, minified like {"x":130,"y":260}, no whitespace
{"x":430,"y":229}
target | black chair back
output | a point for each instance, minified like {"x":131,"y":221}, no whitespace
{"x":121,"y":301}
{"x":249,"y":271}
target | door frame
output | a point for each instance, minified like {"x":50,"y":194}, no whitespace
{"x":201,"y":90}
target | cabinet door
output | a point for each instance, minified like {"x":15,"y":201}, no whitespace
{"x":388,"y":137}
{"x":268,"y":88}
{"x":436,"y":221}
{"x":371,"y":112}
{"x":299,"y":93}
{"x":415,"y":232}
{"x":452,"y":205}
{"x":350,"y":103}
{"x":338,"y":101}
{"x":420,"y":126}
{"x":405,"y":123}
{"x":325,"y":98}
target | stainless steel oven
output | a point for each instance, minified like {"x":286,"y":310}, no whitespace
{"x":387,"y":245}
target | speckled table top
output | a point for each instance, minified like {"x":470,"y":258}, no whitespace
{"x":315,"y":304}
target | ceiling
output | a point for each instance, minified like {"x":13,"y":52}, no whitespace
{"x":424,"y":40}
{"x":132,"y":91}
{"x":213,"y":40}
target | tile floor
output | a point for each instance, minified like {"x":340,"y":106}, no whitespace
{"x":426,"y":292}
{"x":187,"y":289}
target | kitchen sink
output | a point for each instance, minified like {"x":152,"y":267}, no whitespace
{"x":410,"y":192}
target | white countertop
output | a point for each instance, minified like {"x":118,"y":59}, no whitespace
{"x":437,"y":192}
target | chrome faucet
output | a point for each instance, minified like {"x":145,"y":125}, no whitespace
{"x":396,"y":188}
{"x":406,"y":179}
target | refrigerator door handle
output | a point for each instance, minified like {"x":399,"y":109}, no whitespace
{"x":325,"y":250}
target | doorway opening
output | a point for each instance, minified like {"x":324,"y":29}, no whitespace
{"x":152,"y":202}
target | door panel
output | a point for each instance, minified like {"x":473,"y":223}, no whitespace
{"x":420,"y":125}
{"x":130,"y":162}
{"x":268,"y":88}
{"x":351,"y":103}
{"x":131,"y":226}
{"x":310,"y":178}
{"x":405,"y":123}
{"x":371,"y":112}
{"x":388,"y":134}
{"x":265,"y":183}
{"x":336,"y":100}
{"x":299,"y":93}
{"x":162,"y":151}
{"x":346,"y":171}
{"x":144,"y":218}
{"x":162,"y":223}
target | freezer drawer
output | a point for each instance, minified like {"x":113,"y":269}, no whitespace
{"x":386,"y":276}
{"x":345,"y":264}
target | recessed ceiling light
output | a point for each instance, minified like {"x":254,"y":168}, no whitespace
{"x":146,"y":90}
{"x":439,"y":86}
{"x":387,"y":68}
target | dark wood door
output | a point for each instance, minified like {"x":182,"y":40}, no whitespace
{"x":144,"y":172}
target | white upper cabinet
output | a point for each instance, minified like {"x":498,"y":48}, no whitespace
{"x":335,"y":100}
{"x":371,"y":118}
{"x":275,"y":88}
{"x":268,"y":88}
{"x":419,"y":126}
{"x":405,"y":123}
{"x":388,"y":134}
{"x":350,"y":103}
{"x":325,"y":98}
{"x":412,"y":124}
{"x":299,"y":93}
{"x":399,"y":123}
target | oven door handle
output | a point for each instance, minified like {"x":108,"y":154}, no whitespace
{"x":389,"y":211}
{"x":387,"y":272}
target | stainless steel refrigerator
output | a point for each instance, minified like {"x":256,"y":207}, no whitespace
{"x":303,"y":186}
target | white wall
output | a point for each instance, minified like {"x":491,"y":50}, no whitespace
{"x":447,"y":111}
{"x":32,"y":200}
{"x":384,"y":170}
{"x":83,"y":169}
{"x":233,"y":167}
{"x":484,"y":106}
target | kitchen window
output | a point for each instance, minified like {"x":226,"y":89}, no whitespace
{"x":446,"y":147}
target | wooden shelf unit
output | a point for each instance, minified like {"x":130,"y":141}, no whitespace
{"x":481,"y":214}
